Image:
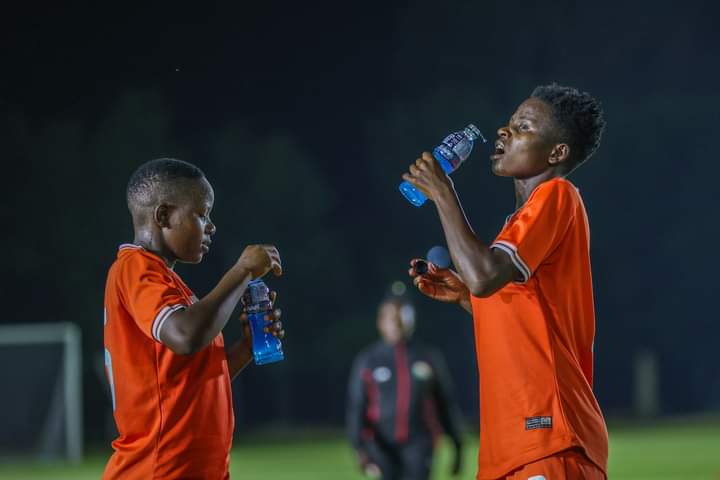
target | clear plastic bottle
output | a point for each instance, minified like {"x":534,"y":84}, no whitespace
{"x":266,"y":347}
{"x":451,"y":153}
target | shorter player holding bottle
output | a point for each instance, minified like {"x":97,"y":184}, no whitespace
{"x":165,"y":357}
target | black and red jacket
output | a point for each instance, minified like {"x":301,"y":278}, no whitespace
{"x":398,"y":393}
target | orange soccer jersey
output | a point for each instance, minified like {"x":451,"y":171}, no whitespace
{"x":173,"y":412}
{"x":534,"y":340}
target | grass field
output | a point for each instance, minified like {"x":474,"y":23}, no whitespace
{"x":677,"y":451}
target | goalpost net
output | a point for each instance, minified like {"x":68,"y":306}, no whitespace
{"x":41,"y":399}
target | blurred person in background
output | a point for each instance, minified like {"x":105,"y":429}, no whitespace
{"x":400,"y":401}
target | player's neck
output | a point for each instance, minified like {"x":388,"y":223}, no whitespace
{"x":525,"y":186}
{"x":153,"y":243}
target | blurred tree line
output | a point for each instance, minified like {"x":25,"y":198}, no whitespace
{"x":313,"y":162}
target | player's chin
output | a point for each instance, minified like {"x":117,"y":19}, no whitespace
{"x":498,"y":168}
{"x":195,"y":257}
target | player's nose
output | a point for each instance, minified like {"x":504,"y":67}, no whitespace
{"x":210,"y":228}
{"x":503,"y":132}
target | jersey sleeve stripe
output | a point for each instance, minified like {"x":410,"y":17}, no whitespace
{"x":130,"y":245}
{"x":160,"y":318}
{"x":511,"y":250}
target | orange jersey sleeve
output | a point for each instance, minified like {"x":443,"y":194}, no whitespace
{"x":150,"y":293}
{"x":534,"y":232}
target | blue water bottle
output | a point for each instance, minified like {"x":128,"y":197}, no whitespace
{"x":451,"y":153}
{"x":266,"y":347}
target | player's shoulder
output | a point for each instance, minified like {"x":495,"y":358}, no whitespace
{"x":133,"y":260}
{"x":556,"y":186}
{"x":558,"y":189}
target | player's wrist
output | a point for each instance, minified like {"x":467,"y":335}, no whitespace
{"x":242,"y":272}
{"x":465,"y":295}
{"x":465,"y":302}
{"x":444,"y":192}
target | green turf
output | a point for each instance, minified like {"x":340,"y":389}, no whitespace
{"x":678,"y":452}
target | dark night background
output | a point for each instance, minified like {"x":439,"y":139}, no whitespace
{"x":304,"y":115}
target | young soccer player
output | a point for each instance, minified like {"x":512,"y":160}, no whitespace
{"x":530,"y":294}
{"x":165,"y":357}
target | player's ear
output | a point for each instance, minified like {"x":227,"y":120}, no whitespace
{"x":161,"y":215}
{"x":559,"y":154}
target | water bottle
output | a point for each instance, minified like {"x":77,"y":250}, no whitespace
{"x":451,"y":153}
{"x":266,"y":347}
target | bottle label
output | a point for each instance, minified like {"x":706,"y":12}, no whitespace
{"x":458,"y":144}
{"x":453,"y":139}
{"x":256,"y":297}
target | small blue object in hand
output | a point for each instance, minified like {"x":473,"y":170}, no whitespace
{"x":439,"y":256}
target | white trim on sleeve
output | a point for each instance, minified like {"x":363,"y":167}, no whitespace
{"x":130,"y":245}
{"x":160,"y":318}
{"x":519,"y":263}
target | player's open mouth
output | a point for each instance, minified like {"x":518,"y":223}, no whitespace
{"x":205,"y":247}
{"x":499,"y":150}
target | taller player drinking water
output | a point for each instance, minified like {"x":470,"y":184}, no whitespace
{"x":530,"y":294}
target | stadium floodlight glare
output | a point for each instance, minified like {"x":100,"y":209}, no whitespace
{"x":41,"y":371}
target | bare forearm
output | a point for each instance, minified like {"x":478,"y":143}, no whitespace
{"x":210,"y":315}
{"x":472,"y":258}
{"x":239,"y":356}
{"x":195,"y":327}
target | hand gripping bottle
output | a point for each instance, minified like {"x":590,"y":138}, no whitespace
{"x":266,"y":347}
{"x":451,"y":153}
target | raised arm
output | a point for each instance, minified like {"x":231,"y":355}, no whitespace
{"x":482,"y":270}
{"x":191,"y":329}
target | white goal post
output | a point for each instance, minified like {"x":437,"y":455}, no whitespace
{"x":61,"y":425}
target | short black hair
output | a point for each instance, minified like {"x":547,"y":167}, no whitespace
{"x":579,"y":118}
{"x":155,"y":179}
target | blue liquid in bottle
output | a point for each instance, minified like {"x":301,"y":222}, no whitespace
{"x":451,"y":153}
{"x":266,"y":347}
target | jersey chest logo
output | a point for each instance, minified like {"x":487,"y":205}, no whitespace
{"x":422,"y":370}
{"x":382,"y":374}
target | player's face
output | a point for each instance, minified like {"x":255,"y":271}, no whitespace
{"x":523,"y":147}
{"x":390,"y":323}
{"x":191,"y":229}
